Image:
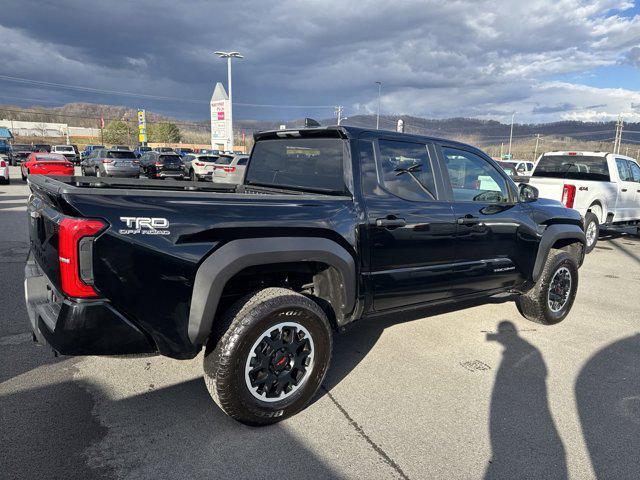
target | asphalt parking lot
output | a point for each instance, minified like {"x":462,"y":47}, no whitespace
{"x":478,"y":393}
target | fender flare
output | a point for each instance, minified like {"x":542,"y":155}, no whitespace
{"x":233,"y":257}
{"x":551,"y":235}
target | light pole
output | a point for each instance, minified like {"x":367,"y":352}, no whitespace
{"x":511,"y":134}
{"x":229,"y":56}
{"x":378,"y":116}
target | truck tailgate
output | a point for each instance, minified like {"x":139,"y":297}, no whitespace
{"x":43,"y":236}
{"x":548,"y":187}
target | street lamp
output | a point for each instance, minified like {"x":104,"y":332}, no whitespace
{"x":511,"y":134}
{"x":378,"y":116}
{"x":229,"y":56}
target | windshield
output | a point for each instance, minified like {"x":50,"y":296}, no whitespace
{"x":314,"y":164}
{"x":121,"y":155}
{"x":50,"y":158}
{"x":575,"y":167}
{"x":206,"y":158}
{"x":64,"y":149}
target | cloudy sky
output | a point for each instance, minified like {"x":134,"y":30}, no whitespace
{"x":546,"y":60}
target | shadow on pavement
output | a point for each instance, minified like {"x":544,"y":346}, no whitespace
{"x":608,"y":397}
{"x":524,"y":439}
{"x":173,"y":432}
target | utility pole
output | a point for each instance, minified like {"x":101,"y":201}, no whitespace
{"x":535,"y":152}
{"x":511,"y":135}
{"x":338,"y":112}
{"x":378,"y":116}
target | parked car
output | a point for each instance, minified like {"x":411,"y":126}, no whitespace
{"x":522,"y":167}
{"x":183,"y":151}
{"x":88,"y":149}
{"x":141,"y":150}
{"x":66,"y":150}
{"x":209,"y":151}
{"x":603,"y":187}
{"x":164,"y":150}
{"x":230,"y":169}
{"x":331,"y":225}
{"x":42,"y":147}
{"x":161,"y":165}
{"x":198,"y":167}
{"x":4,"y":170}
{"x":5,"y":148}
{"x":105,"y":162}
{"x":46,"y":164}
{"x":510,"y":170}
{"x":19,"y":153}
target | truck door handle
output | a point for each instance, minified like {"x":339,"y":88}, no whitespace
{"x":468,"y":220}
{"x":390,"y":222}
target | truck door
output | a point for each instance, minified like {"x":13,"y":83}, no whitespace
{"x":635,"y":174}
{"x":626,"y":191}
{"x":409,"y":228}
{"x":495,"y":237}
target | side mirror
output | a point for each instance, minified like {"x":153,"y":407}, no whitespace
{"x":528,"y":193}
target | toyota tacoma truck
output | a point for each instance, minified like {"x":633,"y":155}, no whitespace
{"x":603,"y":187}
{"x":331,"y":225}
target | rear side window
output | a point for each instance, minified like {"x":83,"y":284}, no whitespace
{"x":243,"y":161}
{"x":574,"y":167}
{"x":624,"y":171}
{"x":635,"y":171}
{"x":224,"y":161}
{"x":313,"y":164}
{"x":404,"y":169}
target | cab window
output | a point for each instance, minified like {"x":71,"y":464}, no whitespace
{"x":474,"y":179}
{"x":404,"y":169}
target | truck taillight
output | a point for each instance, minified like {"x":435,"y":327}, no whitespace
{"x":75,"y":250}
{"x":568,"y":195}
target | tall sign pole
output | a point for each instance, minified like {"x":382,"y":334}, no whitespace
{"x":142,"y":127}
{"x":220,"y":124}
{"x":229,"y":56}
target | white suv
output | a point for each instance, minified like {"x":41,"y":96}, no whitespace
{"x":603,"y":187}
{"x":198,"y":167}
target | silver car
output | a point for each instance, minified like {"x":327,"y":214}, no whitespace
{"x":111,"y":163}
{"x":230,"y":169}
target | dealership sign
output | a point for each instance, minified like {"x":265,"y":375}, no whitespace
{"x":220,"y":124}
{"x":142,"y":126}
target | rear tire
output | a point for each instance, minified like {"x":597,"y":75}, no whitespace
{"x":591,"y":231}
{"x":551,"y":298}
{"x":268,"y":356}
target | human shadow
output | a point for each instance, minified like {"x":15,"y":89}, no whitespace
{"x":524,"y":439}
{"x":608,"y":398}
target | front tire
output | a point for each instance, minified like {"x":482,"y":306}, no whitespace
{"x":591,"y":231}
{"x":551,"y":298}
{"x":268,"y":356}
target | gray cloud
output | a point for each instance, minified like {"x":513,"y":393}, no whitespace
{"x":469,"y":57}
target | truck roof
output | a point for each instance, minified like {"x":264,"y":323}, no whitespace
{"x":347,"y":131}
{"x":586,"y":153}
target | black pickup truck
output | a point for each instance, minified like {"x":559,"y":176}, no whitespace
{"x":331,"y":225}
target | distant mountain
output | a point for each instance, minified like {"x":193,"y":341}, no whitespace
{"x":480,"y":131}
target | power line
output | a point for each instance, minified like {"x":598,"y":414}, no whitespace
{"x":80,"y":88}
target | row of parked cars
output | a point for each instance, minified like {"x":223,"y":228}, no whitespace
{"x":164,"y":162}
{"x":18,"y":153}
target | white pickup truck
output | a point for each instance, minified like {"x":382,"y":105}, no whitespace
{"x":603,"y":187}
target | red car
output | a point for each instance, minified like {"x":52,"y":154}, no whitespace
{"x":46,"y":164}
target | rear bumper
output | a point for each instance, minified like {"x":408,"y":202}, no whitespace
{"x":70,"y":327}
{"x":122,"y":172}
